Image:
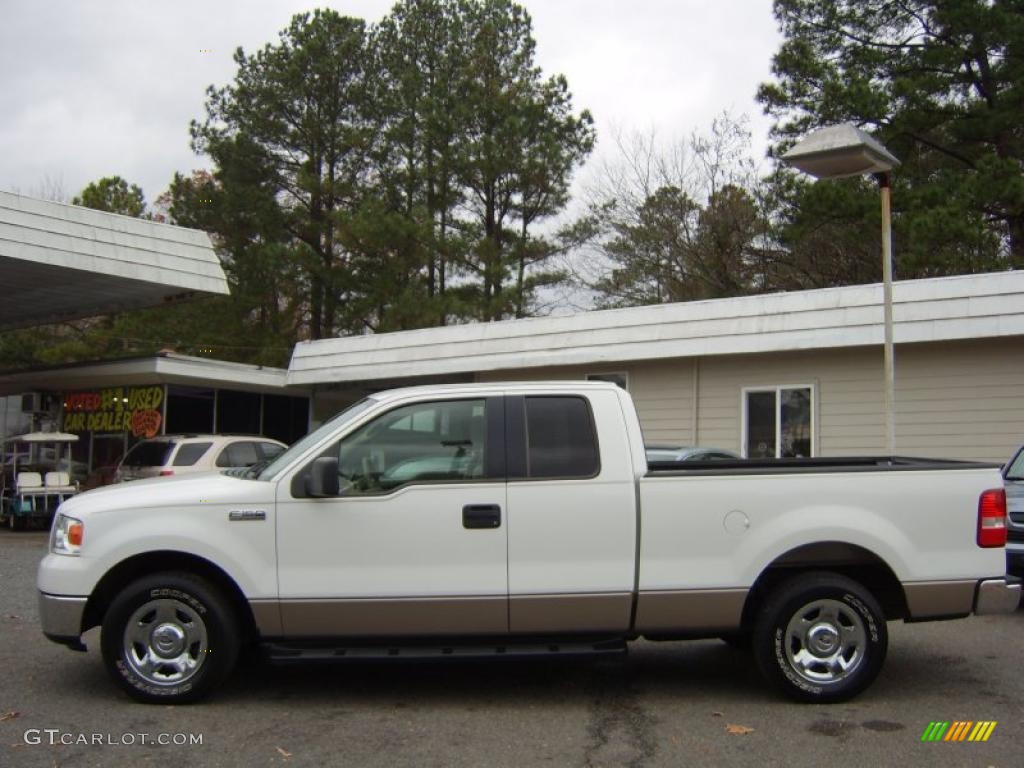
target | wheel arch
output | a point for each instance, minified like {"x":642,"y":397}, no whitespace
{"x":850,"y":560}
{"x":146,"y":563}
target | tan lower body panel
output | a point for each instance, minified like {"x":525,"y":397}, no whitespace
{"x":693,"y":610}
{"x":267,"y":615}
{"x":395,"y":617}
{"x":570,"y":613}
{"x":932,"y":599}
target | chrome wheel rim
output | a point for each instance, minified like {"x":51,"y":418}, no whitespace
{"x":165,"y":642}
{"x":825,"y":641}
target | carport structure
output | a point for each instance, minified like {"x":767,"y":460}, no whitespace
{"x":62,"y":262}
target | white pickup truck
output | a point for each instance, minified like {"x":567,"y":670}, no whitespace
{"x":519,"y":519}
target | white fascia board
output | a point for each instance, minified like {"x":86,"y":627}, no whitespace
{"x":178,"y":369}
{"x":217,"y":373}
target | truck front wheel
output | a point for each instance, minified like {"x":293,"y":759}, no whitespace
{"x":820,"y":637}
{"x":169,"y":638}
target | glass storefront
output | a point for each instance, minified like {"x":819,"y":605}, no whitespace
{"x":109,"y":421}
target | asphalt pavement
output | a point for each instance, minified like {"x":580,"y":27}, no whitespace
{"x":699,"y":703}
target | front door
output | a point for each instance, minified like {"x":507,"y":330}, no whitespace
{"x":416,"y":541}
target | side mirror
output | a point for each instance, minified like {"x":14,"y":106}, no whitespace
{"x":322,"y":480}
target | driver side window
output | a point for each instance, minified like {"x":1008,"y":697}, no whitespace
{"x":441,"y":441}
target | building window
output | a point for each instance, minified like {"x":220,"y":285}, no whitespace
{"x":238,"y":413}
{"x":189,"y":411}
{"x":778,"y":422}
{"x":622,"y":379}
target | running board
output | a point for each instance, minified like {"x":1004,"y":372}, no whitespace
{"x":283,"y":652}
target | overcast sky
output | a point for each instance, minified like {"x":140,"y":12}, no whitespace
{"x":92,"y":89}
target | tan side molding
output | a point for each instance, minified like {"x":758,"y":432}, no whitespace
{"x":692,"y":610}
{"x":932,"y":599}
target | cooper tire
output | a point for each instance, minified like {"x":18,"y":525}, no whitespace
{"x":170,"y":638}
{"x":820,"y":637}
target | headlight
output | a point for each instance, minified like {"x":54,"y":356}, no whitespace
{"x":67,"y":535}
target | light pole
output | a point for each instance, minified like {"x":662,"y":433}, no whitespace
{"x":837,"y":152}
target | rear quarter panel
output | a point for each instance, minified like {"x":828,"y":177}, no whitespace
{"x":722,"y":531}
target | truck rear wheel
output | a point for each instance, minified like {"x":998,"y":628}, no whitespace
{"x":820,"y":637}
{"x":169,"y":638}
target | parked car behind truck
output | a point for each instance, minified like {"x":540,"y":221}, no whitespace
{"x":519,"y":518}
{"x":1013,"y":476}
{"x":185,"y":454}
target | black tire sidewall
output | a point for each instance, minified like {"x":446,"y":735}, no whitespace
{"x":789,"y":598}
{"x":221,"y":633}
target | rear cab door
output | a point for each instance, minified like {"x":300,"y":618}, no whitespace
{"x":572,"y":511}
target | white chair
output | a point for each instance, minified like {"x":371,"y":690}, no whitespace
{"x":29,"y":485}
{"x":59,"y":484}
{"x":29,"y":481}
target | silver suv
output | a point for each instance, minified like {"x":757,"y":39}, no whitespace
{"x":1013,"y":479}
{"x":182,"y":454}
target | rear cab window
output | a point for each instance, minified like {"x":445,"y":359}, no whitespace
{"x":560,"y":438}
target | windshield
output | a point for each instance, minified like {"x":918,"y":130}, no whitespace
{"x":312,"y":439}
{"x":1015,"y":469}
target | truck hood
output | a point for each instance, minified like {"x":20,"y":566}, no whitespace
{"x":163,"y":492}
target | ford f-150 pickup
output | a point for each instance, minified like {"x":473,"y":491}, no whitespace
{"x":518,"y":519}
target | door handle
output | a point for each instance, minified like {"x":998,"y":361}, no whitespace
{"x":481,"y":516}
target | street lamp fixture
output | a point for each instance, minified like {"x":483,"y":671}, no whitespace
{"x":837,"y":152}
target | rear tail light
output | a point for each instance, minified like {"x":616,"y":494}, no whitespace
{"x":169,"y":472}
{"x":992,"y":518}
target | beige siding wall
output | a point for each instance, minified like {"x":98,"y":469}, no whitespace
{"x":954,"y":400}
{"x":962,"y":399}
{"x":847,"y":388}
{"x":664,"y":393}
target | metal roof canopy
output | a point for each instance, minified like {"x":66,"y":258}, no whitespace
{"x":62,"y":262}
{"x":162,"y":368}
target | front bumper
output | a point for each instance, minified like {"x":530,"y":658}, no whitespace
{"x":61,"y":618}
{"x":997,"y":596}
